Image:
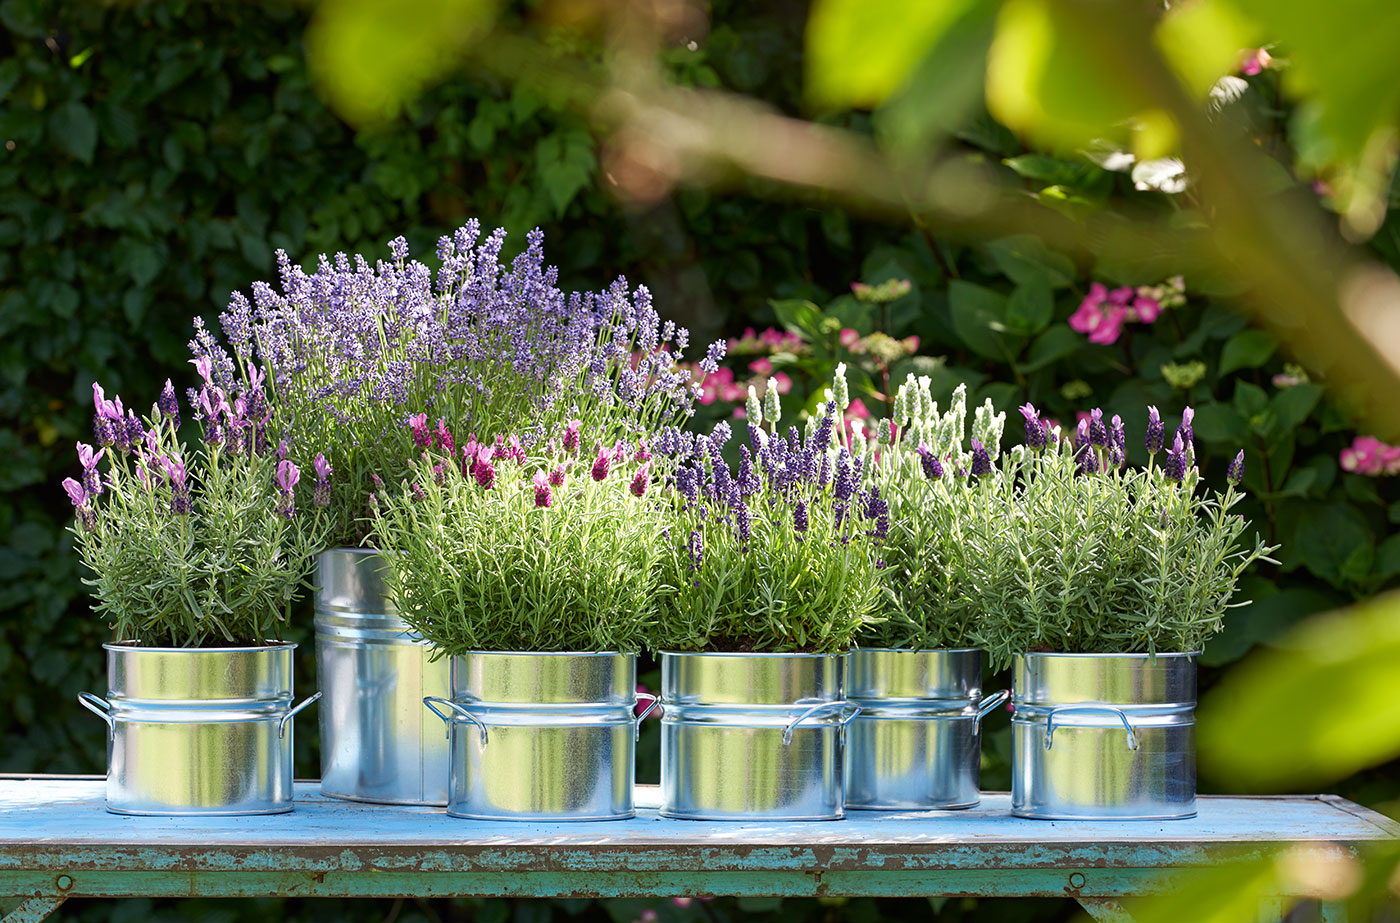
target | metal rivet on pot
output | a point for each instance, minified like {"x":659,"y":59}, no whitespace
{"x":1076,"y":881}
{"x":64,"y":882}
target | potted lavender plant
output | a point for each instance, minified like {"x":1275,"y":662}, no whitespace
{"x":352,"y":351}
{"x":1117,"y":578}
{"x":768,"y":573}
{"x":196,"y":556}
{"x":535,"y":576}
{"x":917,"y":675}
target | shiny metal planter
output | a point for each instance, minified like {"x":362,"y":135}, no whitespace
{"x":916,"y":744}
{"x":1104,"y":736}
{"x":541,"y":736}
{"x":198,"y":731}
{"x":752,"y":736}
{"x":378,"y":744}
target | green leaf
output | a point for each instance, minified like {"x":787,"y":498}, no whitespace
{"x":74,"y":127}
{"x":1027,"y":261}
{"x":1246,"y":350}
{"x":1293,"y":405}
{"x":1334,"y":542}
{"x":1029,"y":308}
{"x":1055,"y":343}
{"x":1388,"y":558}
{"x":1334,"y":677}
{"x":800,"y":317}
{"x":979,"y":317}
{"x":856,"y":58}
{"x":564,"y":162}
{"x":1215,"y":422}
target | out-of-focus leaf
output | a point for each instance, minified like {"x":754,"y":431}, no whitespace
{"x":1055,"y":343}
{"x":1292,"y":405}
{"x":1246,"y":349}
{"x":564,"y":162}
{"x":1029,"y":308}
{"x":1318,"y":708}
{"x":370,"y":58}
{"x":1027,"y":261}
{"x":75,"y":129}
{"x":857,"y":56}
{"x":1202,"y":40}
{"x":979,"y":317}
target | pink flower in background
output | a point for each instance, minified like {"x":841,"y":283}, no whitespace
{"x":849,"y":337}
{"x":761,"y":366}
{"x":857,"y":410}
{"x":1368,"y":455}
{"x":1144,"y":310}
{"x":714,"y":383}
{"x":784,"y":382}
{"x":1101,"y":314}
{"x":1254,"y":61}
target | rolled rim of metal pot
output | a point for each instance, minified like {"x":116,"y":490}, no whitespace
{"x":750,"y":678}
{"x":1167,"y":677}
{"x":915,"y":675}
{"x":137,"y":672}
{"x":545,"y":677}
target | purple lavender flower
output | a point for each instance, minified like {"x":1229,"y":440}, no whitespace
{"x":981,"y":460}
{"x":544,"y":496}
{"x":322,"y":496}
{"x":1081,"y":435}
{"x":1156,"y":431}
{"x":179,"y":485}
{"x":1235,"y":472}
{"x":697,"y":550}
{"x":1184,"y":430}
{"x":822,"y":440}
{"x":1035,"y":430}
{"x":714,"y":355}
{"x":845,"y":478}
{"x":87,"y":516}
{"x":1098,"y":432}
{"x":1088,"y":459}
{"x":741,"y":519}
{"x":933,"y":468}
{"x":76,"y":494}
{"x":419,"y":495}
{"x":799,"y":517}
{"x":1176,"y":460}
{"x":169,"y":405}
{"x":92,"y":480}
{"x":286,"y":478}
{"x":640,"y":481}
{"x":748,"y":481}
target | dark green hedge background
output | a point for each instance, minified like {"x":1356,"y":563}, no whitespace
{"x":155,"y":155}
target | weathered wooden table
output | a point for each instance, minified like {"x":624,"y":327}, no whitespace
{"x":57,"y":842}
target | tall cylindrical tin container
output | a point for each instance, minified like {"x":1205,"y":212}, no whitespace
{"x":1104,"y":736}
{"x":752,"y":736}
{"x":916,"y":744}
{"x":198,"y":731}
{"x":541,"y":736}
{"x":378,"y":743}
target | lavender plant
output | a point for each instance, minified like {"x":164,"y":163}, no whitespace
{"x":351,"y":350}
{"x":782,"y":554}
{"x":495,"y":549}
{"x":946,"y":496}
{"x":1104,"y":558}
{"x":201,"y":548}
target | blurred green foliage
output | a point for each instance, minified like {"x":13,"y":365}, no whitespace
{"x":156,"y":154}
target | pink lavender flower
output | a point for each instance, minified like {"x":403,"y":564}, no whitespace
{"x":92,"y":480}
{"x":556,"y":476}
{"x":544,"y":495}
{"x":179,"y":485}
{"x":442,"y":438}
{"x":418,"y":423}
{"x":601,"y":465}
{"x":87,"y":516}
{"x":76,"y":494}
{"x":322,"y":496}
{"x":640,"y":481}
{"x":643,"y":453}
{"x":484,"y":471}
{"x":286,"y":478}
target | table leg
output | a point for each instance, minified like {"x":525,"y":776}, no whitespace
{"x":1105,"y":909}
{"x":35,"y":909}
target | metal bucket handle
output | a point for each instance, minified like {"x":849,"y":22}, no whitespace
{"x":282,"y":725}
{"x":99,"y":707}
{"x":1089,"y":709}
{"x":848,"y":712}
{"x":987,"y":706}
{"x":653,"y":701}
{"x":459,"y":709}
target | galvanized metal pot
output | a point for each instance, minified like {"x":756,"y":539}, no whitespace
{"x":1104,"y":736}
{"x":377,"y":742}
{"x":916,"y":744}
{"x":198,"y":731}
{"x":541,"y":736}
{"x":753,"y":736}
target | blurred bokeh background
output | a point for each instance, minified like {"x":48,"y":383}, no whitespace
{"x":904,"y":186}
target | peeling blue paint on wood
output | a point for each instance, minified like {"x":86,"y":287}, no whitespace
{"x":54,"y":830}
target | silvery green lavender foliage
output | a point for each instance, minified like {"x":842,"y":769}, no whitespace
{"x":1102,"y":558}
{"x":945,"y":494}
{"x":782,"y":554}
{"x":202,"y":548}
{"x":494,"y":549}
{"x":352,"y":350}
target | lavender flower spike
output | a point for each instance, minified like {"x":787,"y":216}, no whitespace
{"x":1098,"y":431}
{"x":286,"y":478}
{"x":169,"y":405}
{"x":1035,"y":430}
{"x":1184,"y":430}
{"x":322,"y":496}
{"x":1235,"y":473}
{"x":933,"y":468}
{"x":1176,"y":460}
{"x":1156,"y":431}
{"x":981,"y":460}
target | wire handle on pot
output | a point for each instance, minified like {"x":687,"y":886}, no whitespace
{"x":1089,"y":709}
{"x":459,"y":709}
{"x":848,"y":711}
{"x":98,"y":706}
{"x":988,"y":704}
{"x":282,"y":725}
{"x":651,"y":706}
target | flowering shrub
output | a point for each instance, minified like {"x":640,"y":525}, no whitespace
{"x":350,"y":348}
{"x":195,"y":549}
{"x":780,"y":554}
{"x":493,"y":549}
{"x":1096,"y":557}
{"x":1368,"y":455}
{"x":1103,"y":313}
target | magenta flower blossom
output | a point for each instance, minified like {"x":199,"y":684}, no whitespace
{"x":418,"y":423}
{"x":544,"y":496}
{"x":484,"y":471}
{"x":601,"y":465}
{"x":1369,"y":456}
{"x":571,"y":436}
{"x":204,"y":365}
{"x":76,"y":494}
{"x":322,"y":496}
{"x":1102,"y":313}
{"x":556,"y":477}
{"x":442,"y":437}
{"x":640,"y":481}
{"x":287,"y":475}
